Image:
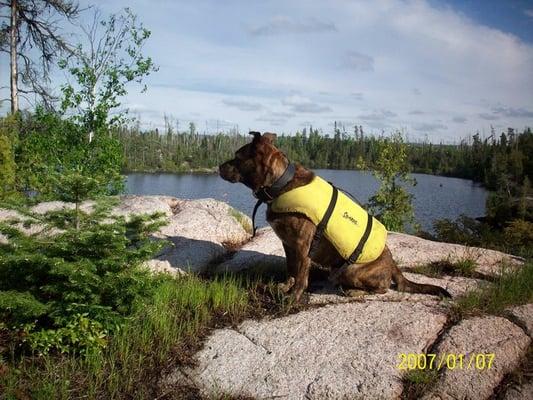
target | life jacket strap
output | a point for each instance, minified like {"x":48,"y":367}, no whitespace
{"x":259,"y":202}
{"x":357,"y":252}
{"x":323,"y":222}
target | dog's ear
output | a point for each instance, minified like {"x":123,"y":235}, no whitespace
{"x":257,"y":136}
{"x":270,"y":137}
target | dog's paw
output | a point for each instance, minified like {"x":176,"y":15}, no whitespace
{"x":297,"y":291}
{"x":287,"y":285}
{"x":355,"y":293}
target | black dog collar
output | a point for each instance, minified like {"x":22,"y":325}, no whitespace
{"x":267,"y":194}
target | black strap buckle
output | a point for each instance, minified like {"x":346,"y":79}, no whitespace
{"x":263,"y":194}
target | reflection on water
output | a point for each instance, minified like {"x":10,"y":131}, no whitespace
{"x":436,"y":197}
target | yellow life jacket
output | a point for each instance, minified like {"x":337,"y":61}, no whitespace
{"x":357,"y":236}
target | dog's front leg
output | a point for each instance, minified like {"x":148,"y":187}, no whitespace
{"x":292,"y":270}
{"x":303,"y":264}
{"x":296,"y":233}
{"x":298,"y":265}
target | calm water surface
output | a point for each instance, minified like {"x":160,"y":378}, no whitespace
{"x":436,"y":197}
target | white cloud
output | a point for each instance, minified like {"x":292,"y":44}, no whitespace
{"x":513,"y":112}
{"x":243,"y":105}
{"x":429,"y":127}
{"x":283,"y":24}
{"x":379,"y":115}
{"x":488,"y":117}
{"x":459,"y":119}
{"x":299,"y":104}
{"x":358,"y":62}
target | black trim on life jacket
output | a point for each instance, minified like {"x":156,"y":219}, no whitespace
{"x":357,"y":252}
{"x":321,"y":227}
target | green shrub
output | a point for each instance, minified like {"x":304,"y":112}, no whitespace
{"x":156,"y":336}
{"x":80,"y":334}
{"x":514,"y":239}
{"x":392,"y":203}
{"x":519,"y":232}
{"x":21,"y":307}
{"x":80,"y":276}
{"x":8,"y":137}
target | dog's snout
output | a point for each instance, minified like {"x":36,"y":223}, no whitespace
{"x":228,"y":171}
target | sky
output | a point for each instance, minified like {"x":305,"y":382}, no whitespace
{"x":436,"y":70}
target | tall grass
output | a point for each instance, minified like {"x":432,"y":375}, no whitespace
{"x":510,"y":288}
{"x":153,"y":338}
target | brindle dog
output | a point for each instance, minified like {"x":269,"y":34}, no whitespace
{"x":260,"y":164}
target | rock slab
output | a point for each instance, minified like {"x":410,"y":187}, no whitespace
{"x":523,"y":316}
{"x":200,"y":232}
{"x":481,"y":335}
{"x":339,"y":351}
{"x":411,"y":251}
{"x":522,"y":392}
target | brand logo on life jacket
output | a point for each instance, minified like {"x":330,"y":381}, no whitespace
{"x":352,"y":219}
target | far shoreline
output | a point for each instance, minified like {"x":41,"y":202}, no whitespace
{"x":214,"y":171}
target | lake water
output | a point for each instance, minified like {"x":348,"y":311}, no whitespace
{"x":435,"y":197}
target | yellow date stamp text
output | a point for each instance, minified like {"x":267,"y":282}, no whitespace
{"x":451,"y":361}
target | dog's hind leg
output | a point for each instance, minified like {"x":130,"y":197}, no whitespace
{"x":374,"y":277}
{"x":370,"y":277}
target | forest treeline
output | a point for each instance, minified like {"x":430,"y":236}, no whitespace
{"x":502,"y":159}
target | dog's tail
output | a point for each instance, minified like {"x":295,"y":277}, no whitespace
{"x":405,"y":285}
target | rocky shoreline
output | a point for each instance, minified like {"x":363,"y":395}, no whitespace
{"x":350,"y":347}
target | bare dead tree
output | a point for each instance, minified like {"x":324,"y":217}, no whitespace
{"x":31,"y":36}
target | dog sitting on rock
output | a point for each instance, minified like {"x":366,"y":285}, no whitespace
{"x":317,"y":222}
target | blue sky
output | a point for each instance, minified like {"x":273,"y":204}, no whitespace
{"x":435,"y":69}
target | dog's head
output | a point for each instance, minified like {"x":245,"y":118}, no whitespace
{"x":256,"y":164}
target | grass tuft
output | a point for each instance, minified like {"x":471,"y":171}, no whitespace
{"x":465,"y":267}
{"x":416,"y":382}
{"x":512,"y":287}
{"x":242,"y":219}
